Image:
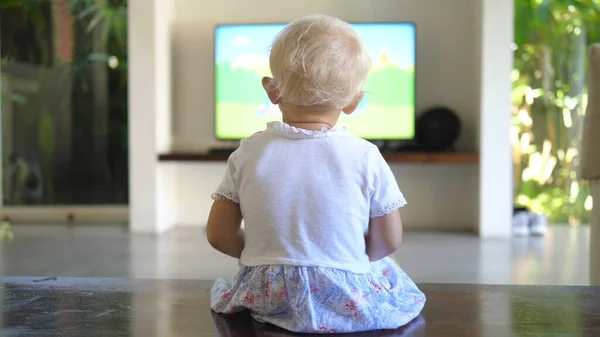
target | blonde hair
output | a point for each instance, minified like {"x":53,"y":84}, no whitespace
{"x":318,"y":60}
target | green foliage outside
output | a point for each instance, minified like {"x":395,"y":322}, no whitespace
{"x":94,"y":21}
{"x":549,"y":101}
{"x":6,"y":233}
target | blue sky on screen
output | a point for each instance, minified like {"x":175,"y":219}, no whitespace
{"x":235,"y":41}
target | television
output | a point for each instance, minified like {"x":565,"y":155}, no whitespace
{"x":387,"y":111}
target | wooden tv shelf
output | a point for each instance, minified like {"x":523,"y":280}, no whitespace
{"x":441,"y":158}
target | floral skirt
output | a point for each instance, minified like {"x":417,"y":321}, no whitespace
{"x":322,"y":300}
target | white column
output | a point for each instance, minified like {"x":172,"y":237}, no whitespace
{"x":495,"y":176}
{"x":151,"y":185}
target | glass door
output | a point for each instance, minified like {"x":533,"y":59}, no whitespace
{"x":64,"y":110}
{"x":549,"y":104}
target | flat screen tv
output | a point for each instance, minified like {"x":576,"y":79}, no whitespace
{"x":242,"y":58}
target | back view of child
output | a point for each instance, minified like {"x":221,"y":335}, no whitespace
{"x":320,"y":206}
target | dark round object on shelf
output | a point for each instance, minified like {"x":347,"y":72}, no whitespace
{"x":437,"y":129}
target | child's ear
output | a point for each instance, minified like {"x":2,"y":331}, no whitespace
{"x":352,"y":107}
{"x":272,"y":93}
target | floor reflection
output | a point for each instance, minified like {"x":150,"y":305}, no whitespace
{"x":102,"y":307}
{"x":120,"y":308}
{"x":542,"y":315}
{"x":29,"y":311}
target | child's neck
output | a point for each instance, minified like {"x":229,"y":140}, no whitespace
{"x":309,"y":118}
{"x":315,"y":126}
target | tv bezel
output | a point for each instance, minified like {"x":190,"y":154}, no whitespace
{"x":214,"y":54}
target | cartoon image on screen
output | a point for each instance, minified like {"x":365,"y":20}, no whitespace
{"x":242,"y":59}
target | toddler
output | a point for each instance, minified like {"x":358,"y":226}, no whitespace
{"x":320,"y":206}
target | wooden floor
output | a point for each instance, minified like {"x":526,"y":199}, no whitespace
{"x":114,"y":307}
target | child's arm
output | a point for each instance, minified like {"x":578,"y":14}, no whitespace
{"x":225,"y":219}
{"x":223,"y":229}
{"x":385,"y":199}
{"x":385,"y":236}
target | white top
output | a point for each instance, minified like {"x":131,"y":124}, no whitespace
{"x":307,"y":196}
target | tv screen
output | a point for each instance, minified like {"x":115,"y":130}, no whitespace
{"x":242,"y":58}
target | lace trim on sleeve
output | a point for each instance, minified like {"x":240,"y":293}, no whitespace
{"x":387,"y":209}
{"x":224,"y":195}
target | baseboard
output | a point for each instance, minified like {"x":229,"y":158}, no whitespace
{"x":62,"y":214}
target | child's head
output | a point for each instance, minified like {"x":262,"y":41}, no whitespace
{"x":318,"y":62}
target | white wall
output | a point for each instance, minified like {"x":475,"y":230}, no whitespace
{"x":448,"y":72}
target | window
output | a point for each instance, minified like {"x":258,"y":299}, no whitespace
{"x":64,"y":102}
